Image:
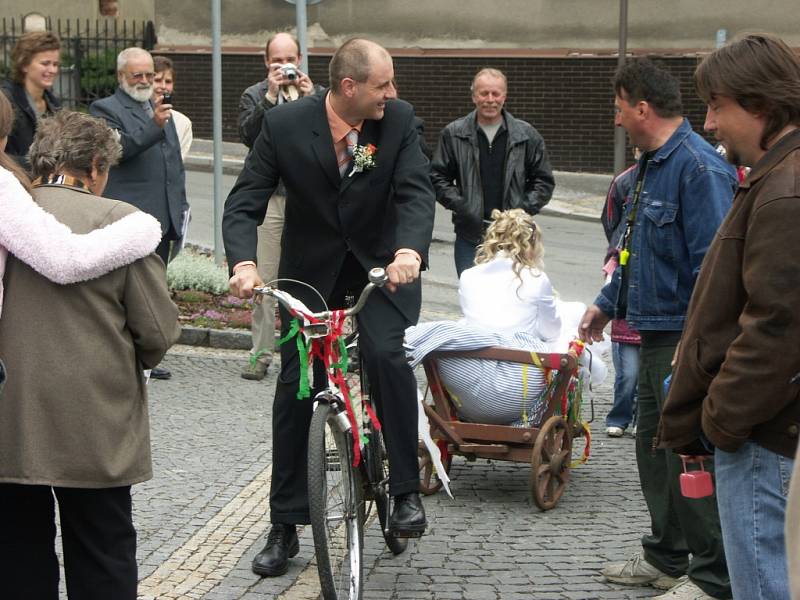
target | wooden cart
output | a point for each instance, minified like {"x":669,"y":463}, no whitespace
{"x":548,"y":445}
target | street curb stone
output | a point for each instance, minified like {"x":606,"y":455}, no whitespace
{"x":231,"y":339}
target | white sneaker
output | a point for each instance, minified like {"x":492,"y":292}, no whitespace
{"x":684,"y":590}
{"x":637,"y":571}
{"x":613,"y":431}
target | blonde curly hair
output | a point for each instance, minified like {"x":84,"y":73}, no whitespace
{"x":515,"y":234}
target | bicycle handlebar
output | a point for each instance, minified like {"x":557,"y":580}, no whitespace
{"x":377,"y":278}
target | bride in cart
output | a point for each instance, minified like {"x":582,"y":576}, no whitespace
{"x":507,"y":300}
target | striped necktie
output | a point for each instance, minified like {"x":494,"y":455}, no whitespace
{"x":346,"y":155}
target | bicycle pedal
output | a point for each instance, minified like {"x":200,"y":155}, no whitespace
{"x":406,"y":535}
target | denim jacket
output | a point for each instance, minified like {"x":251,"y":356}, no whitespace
{"x":687,"y":192}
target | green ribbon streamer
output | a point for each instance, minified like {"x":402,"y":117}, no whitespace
{"x":343,"y":360}
{"x":303,"y":390}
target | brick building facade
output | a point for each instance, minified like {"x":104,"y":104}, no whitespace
{"x":568,"y":99}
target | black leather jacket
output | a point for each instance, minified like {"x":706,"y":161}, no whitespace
{"x":528,"y":183}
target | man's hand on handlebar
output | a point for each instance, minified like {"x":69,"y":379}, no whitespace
{"x":244,"y":280}
{"x":403,"y":269}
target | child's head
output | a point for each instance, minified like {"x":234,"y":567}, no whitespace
{"x":514,"y":233}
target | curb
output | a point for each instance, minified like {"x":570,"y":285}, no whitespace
{"x":230,"y":339}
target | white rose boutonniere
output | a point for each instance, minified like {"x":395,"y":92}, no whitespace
{"x":363,"y":158}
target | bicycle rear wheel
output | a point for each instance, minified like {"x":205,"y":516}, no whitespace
{"x":377,"y":464}
{"x":336,"y":507}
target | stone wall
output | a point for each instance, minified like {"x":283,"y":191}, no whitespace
{"x":568,"y":99}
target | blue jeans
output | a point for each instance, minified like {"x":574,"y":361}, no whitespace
{"x":626,"y":367}
{"x":752,"y":485}
{"x":464,"y":255}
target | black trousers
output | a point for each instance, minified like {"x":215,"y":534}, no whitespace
{"x":98,"y":539}
{"x":381,"y":328}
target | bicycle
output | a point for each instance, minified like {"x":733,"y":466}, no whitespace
{"x":344,"y":472}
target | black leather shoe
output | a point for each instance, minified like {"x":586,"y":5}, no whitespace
{"x":282,"y":544}
{"x":408,"y":516}
{"x":160,"y":373}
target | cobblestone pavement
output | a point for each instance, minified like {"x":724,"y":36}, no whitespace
{"x":203,"y":517}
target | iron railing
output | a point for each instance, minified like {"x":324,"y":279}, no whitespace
{"x":88,"y":54}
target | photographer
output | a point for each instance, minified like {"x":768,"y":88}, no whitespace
{"x":284,"y":83}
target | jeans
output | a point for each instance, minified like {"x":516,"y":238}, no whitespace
{"x":626,"y":366}
{"x":752,"y":486}
{"x":680,"y":527}
{"x":464,"y":255}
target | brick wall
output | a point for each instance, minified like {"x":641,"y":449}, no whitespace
{"x":569,"y":100}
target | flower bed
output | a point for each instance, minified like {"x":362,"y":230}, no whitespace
{"x":200,"y":289}
{"x":216,"y":311}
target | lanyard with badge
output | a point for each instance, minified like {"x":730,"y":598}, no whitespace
{"x":623,"y":248}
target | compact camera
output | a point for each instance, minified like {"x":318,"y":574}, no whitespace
{"x":289,"y":71}
{"x":167,"y":99}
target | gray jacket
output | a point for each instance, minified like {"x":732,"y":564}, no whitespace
{"x":150,"y":174}
{"x":455,"y":173}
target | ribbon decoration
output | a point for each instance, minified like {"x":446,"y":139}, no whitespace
{"x":331,"y":349}
{"x":576,"y":348}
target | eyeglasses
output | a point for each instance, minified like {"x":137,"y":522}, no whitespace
{"x":148,"y":75}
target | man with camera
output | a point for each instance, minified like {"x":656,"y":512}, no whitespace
{"x":284,"y":83}
{"x":150,"y":174}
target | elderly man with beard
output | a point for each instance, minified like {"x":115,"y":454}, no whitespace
{"x":150,"y":174}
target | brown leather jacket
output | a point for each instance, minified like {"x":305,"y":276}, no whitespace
{"x":737,"y":375}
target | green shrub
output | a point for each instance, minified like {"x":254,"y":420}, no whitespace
{"x":191,"y":271}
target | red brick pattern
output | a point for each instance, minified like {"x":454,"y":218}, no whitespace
{"x":569,"y":100}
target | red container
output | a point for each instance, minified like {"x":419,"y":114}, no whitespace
{"x":695,"y":484}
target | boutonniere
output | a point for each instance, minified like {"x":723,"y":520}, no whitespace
{"x":363,"y":158}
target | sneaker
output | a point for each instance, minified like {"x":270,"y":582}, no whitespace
{"x":637,"y":571}
{"x":614,"y":431}
{"x":684,"y":590}
{"x":255,"y":370}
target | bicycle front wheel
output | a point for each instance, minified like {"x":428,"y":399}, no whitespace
{"x":336,"y":507}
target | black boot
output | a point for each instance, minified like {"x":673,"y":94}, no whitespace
{"x":281,"y":545}
{"x":408,"y":516}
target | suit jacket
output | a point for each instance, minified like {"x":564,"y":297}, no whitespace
{"x":150,"y":173}
{"x":371,"y":214}
{"x":82,"y":420}
{"x":21,"y":136}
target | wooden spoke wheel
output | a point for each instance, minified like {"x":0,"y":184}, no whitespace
{"x":429,"y":482}
{"x":552,"y":454}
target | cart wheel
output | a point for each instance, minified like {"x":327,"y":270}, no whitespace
{"x":552,"y":453}
{"x":429,"y":482}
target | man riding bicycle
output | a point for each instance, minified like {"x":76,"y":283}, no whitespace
{"x":358,"y":196}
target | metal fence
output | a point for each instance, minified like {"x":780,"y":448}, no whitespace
{"x":88,"y":54}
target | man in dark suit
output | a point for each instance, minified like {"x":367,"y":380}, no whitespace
{"x":340,"y":221}
{"x":150,"y":173}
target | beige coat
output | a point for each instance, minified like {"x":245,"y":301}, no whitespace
{"x":74,"y":409}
